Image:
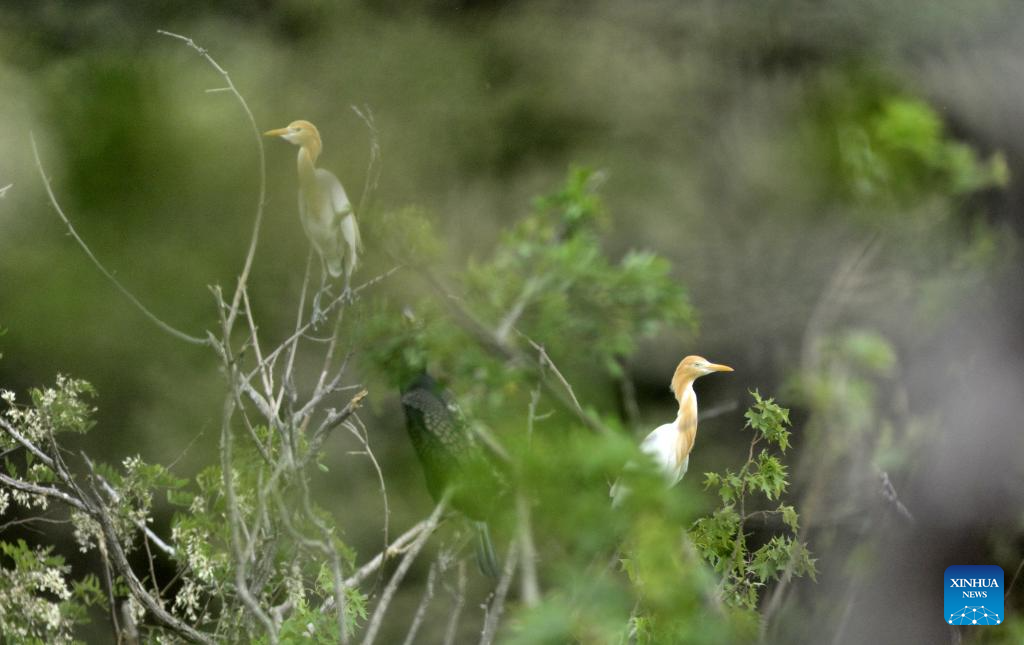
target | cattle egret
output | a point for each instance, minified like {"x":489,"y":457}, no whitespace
{"x":669,"y":445}
{"x":324,"y":208}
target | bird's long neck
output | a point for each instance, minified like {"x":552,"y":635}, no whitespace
{"x":686,"y":420}
{"x":307,"y":169}
{"x":308,"y":189}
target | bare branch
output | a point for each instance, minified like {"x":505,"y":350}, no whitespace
{"x":401,"y":544}
{"x":421,"y":610}
{"x":545,"y":361}
{"x":889,"y":493}
{"x":459,"y":596}
{"x":403,"y":567}
{"x":258,"y":220}
{"x":150,"y":535}
{"x":364,"y":438}
{"x":46,"y":491}
{"x":240,"y":556}
{"x":497,"y":606}
{"x":180,"y":335}
{"x":507,"y":323}
{"x":373,"y":169}
{"x":507,"y":351}
{"x":528,"y":585}
{"x":28,"y":445}
{"x":333,"y":420}
{"x":1014,"y":580}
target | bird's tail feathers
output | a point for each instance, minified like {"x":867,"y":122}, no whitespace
{"x":334,"y":267}
{"x":486,"y":559}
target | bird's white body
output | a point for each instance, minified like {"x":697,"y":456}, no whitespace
{"x":329,"y":223}
{"x":324,"y":208}
{"x":662,"y":445}
{"x":669,"y":444}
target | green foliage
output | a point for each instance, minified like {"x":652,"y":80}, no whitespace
{"x":892,"y":148}
{"x":308,"y":623}
{"x":203,"y":534}
{"x":551,"y":265}
{"x":721,"y":538}
{"x":770,"y":420}
{"x":668,"y":593}
{"x":39,"y":604}
{"x":548,"y":279}
{"x":53,"y":411}
{"x":663,"y":592}
{"x":406,"y":233}
{"x":64,"y":408}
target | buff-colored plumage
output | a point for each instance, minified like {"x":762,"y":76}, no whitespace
{"x":324,"y":208}
{"x":669,"y":444}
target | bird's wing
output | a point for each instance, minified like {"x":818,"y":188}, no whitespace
{"x":440,"y":422}
{"x":335,"y":201}
{"x":350,"y":231}
{"x":659,"y":445}
{"x":333,"y":190}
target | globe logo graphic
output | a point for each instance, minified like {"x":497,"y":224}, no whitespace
{"x":974,"y":615}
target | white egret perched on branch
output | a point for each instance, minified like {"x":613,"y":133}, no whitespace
{"x":324,"y":209}
{"x":669,"y":444}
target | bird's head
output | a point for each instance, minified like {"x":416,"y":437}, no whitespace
{"x":692,"y":368}
{"x":300,"y":133}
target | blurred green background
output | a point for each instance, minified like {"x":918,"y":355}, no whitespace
{"x":835,"y":183}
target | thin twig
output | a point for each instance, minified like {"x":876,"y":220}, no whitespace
{"x":234,"y":520}
{"x":507,"y":323}
{"x":546,"y":362}
{"x":108,"y":584}
{"x":258,"y":220}
{"x":180,"y":335}
{"x":403,"y":567}
{"x":497,"y":606}
{"x":421,"y":610}
{"x":150,"y":535}
{"x":528,"y":585}
{"x":1014,"y":581}
{"x":401,"y":544}
{"x":333,"y":420}
{"x":30,"y":520}
{"x":373,"y":168}
{"x":43,"y":490}
{"x":459,"y":597}
{"x":300,"y":331}
{"x":364,"y":438}
{"x":718,"y":410}
{"x":889,"y":493}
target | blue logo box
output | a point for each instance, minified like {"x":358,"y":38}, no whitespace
{"x":974,"y":595}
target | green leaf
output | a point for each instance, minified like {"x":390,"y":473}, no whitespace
{"x":789,"y":517}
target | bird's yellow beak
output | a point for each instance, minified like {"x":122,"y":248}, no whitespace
{"x":280,"y":132}
{"x":714,"y":367}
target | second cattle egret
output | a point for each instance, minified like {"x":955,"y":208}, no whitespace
{"x":324,"y":208}
{"x":669,"y":445}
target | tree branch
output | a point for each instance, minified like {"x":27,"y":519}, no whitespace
{"x":180,"y":335}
